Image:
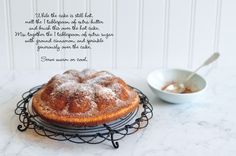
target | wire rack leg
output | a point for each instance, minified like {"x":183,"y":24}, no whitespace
{"x":114,"y":143}
{"x":112,"y":132}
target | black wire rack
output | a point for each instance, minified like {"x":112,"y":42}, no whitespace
{"x":112,"y":131}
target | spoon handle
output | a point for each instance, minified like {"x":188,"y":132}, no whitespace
{"x":211,"y":59}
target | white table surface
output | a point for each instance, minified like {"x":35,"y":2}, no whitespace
{"x":206,"y":127}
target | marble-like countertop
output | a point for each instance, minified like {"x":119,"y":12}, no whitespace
{"x":206,"y":127}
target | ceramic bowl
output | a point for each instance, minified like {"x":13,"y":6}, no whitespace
{"x":159,"y":78}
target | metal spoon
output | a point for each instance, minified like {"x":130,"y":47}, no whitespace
{"x":179,"y":87}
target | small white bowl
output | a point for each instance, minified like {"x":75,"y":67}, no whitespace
{"x":159,"y":78}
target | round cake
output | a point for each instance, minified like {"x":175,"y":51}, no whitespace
{"x":86,"y":98}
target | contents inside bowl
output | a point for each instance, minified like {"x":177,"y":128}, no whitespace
{"x":175,"y":90}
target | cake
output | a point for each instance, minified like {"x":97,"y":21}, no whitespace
{"x":84,"y":98}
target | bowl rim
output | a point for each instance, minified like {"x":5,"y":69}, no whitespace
{"x":176,"y":94}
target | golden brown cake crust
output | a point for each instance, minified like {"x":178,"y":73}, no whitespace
{"x":86,"y":98}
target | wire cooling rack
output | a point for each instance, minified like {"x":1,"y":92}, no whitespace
{"x":112,"y":131}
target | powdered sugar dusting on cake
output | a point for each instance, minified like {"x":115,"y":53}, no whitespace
{"x":105,"y":92}
{"x":64,"y":77}
{"x":100,"y":77}
{"x":93,"y":109}
{"x":120,"y":103}
{"x":116,"y":87}
{"x":89,"y":84}
{"x":73,"y":87}
{"x":72,"y":72}
{"x":86,"y":72}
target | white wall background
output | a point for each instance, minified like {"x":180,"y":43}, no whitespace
{"x":161,"y":33}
